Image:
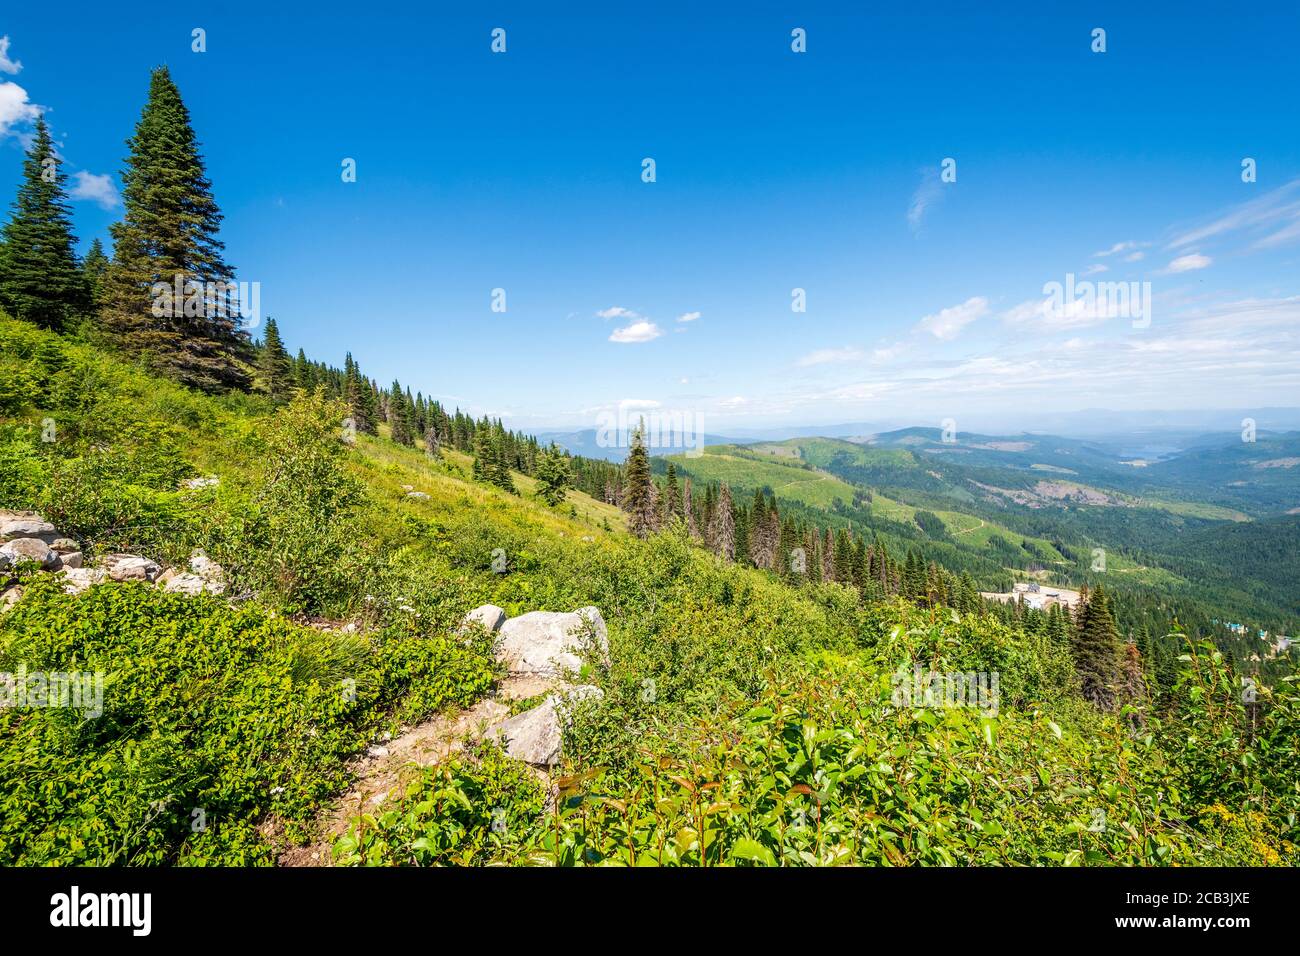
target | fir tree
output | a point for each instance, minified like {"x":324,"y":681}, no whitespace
{"x":399,"y":416}
{"x":722,"y":532}
{"x":167,"y":243}
{"x":274,"y":368}
{"x":40,"y":279}
{"x":637,"y":501}
{"x":93,"y":267}
{"x":1097,"y":651}
{"x":553,"y":475}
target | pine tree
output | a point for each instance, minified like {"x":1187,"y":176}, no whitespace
{"x":399,"y":416}
{"x":93,"y":268}
{"x":672,"y":498}
{"x":688,"y":508}
{"x":482,"y":455}
{"x":1097,"y":651}
{"x":636,"y":486}
{"x":722,"y":532}
{"x":167,"y":243}
{"x":274,"y":368}
{"x":40,"y":279}
{"x":553,"y":474}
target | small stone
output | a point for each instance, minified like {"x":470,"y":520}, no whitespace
{"x":71,"y":559}
{"x":65,"y":545}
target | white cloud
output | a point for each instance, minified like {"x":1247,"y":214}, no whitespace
{"x":1116,"y":249}
{"x":639,"y":331}
{"x":631,"y":403}
{"x":688,"y":316}
{"x":948,"y":323}
{"x":1265,"y":212}
{"x":736,"y":401}
{"x":617,"y":312}
{"x":827,"y":356}
{"x":1095,"y":268}
{"x":1135,"y":257}
{"x":7,"y":65}
{"x":1189,"y":263}
{"x":15,"y":108}
{"x":926,"y":195}
{"x":95,"y":187}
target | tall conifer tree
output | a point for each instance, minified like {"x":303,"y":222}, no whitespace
{"x":167,"y":240}
{"x":40,"y":279}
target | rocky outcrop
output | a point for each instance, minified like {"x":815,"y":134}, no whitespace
{"x":536,"y":736}
{"x":195,"y":484}
{"x":27,"y":537}
{"x":551,"y":642}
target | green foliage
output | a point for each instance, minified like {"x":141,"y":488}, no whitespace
{"x":235,"y":713}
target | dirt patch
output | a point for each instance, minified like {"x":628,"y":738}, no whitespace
{"x":387,"y":766}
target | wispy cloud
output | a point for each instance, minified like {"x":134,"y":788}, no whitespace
{"x":947,"y":323}
{"x":1116,"y":249}
{"x":95,"y":187}
{"x":1277,"y":210}
{"x":688,"y":316}
{"x":927,"y":194}
{"x":830,"y":356}
{"x":617,"y":312}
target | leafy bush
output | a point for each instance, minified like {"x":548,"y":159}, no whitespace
{"x":212,"y":718}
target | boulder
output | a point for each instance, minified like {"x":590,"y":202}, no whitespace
{"x":417,"y":494}
{"x":194,"y":484}
{"x":208,"y":570}
{"x":30,"y":549}
{"x":9,"y":597}
{"x":17,"y":524}
{"x":535,"y":736}
{"x":76,"y":580}
{"x":183,"y":583}
{"x":489,"y":615}
{"x":129,"y":567}
{"x":72,"y":559}
{"x":550,"y":642}
{"x":65,"y":545}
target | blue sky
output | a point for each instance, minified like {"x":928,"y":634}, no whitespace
{"x":775,"y":170}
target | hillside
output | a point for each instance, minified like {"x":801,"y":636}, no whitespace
{"x":1029,"y":506}
{"x":741,"y":719}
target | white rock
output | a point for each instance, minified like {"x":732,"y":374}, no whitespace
{"x":549,"y":642}
{"x":183,"y":583}
{"x":535,"y":736}
{"x":30,"y":525}
{"x":65,"y":545}
{"x":72,"y":559}
{"x":9,"y":597}
{"x":489,"y":615}
{"x":30,"y":549}
{"x":194,"y":484}
{"x":417,"y":494}
{"x":129,"y":567}
{"x":76,"y":580}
